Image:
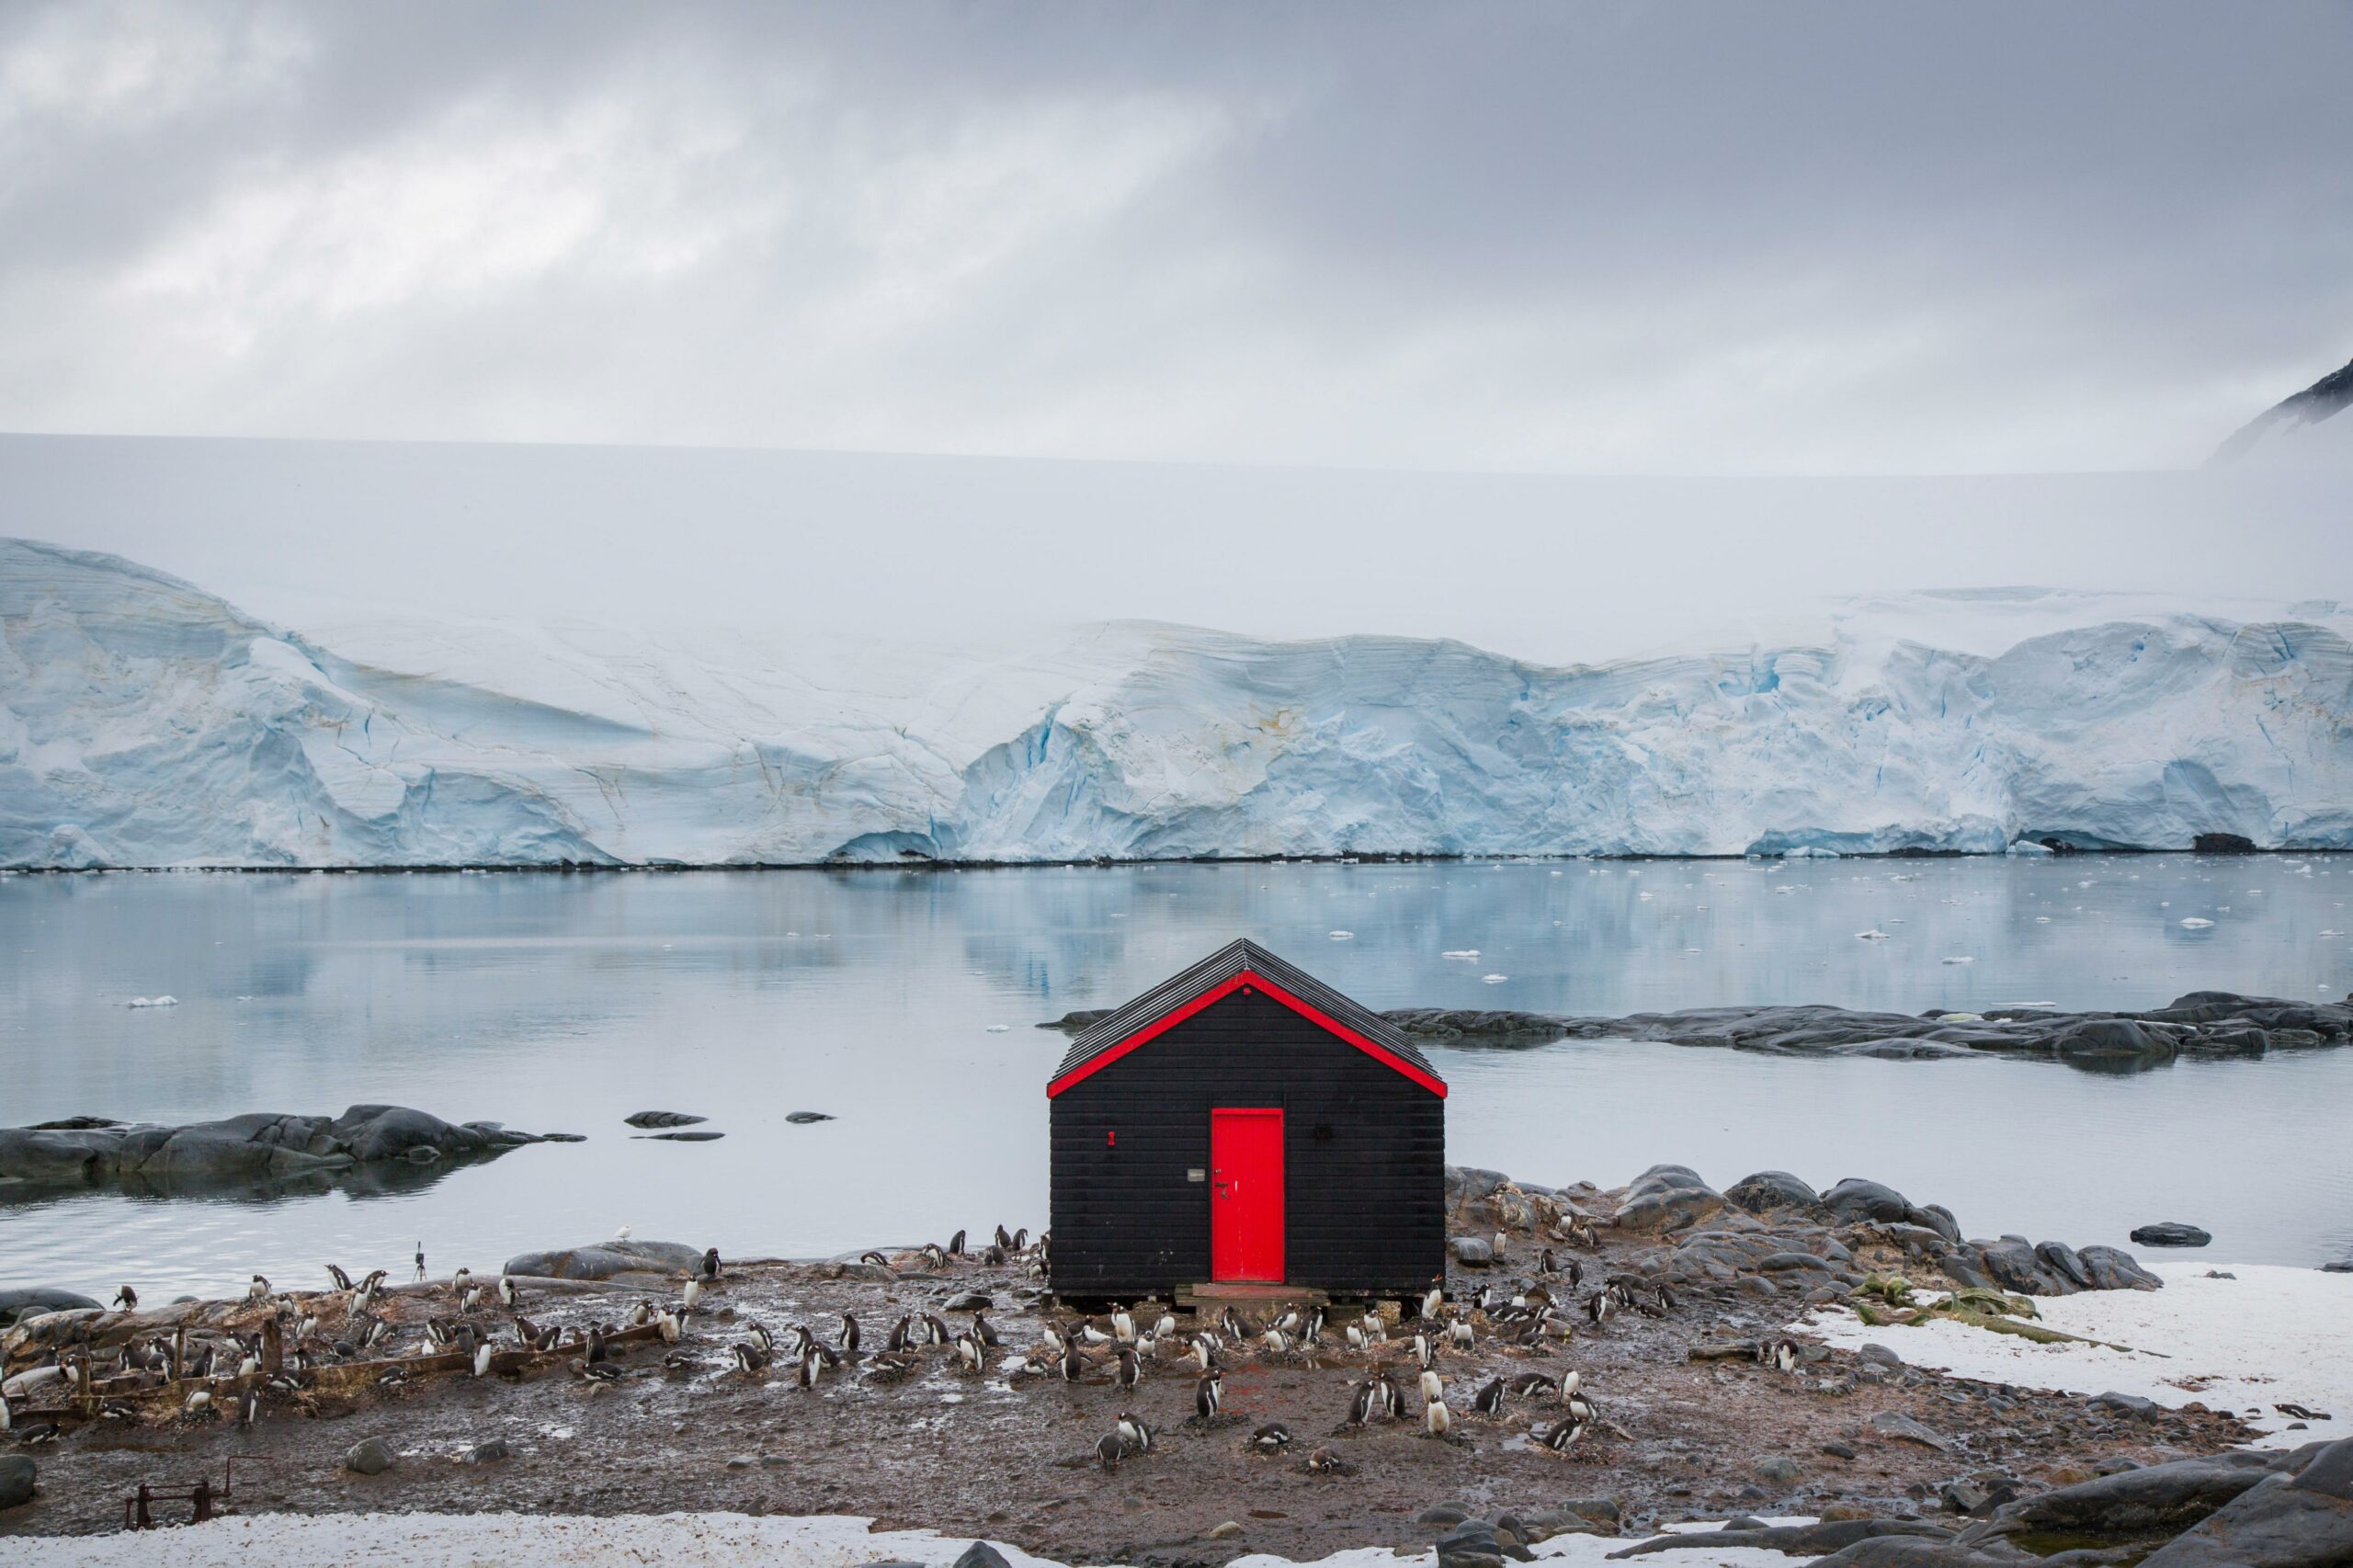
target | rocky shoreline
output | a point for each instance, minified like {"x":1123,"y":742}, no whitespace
{"x":1711,"y":1400}
{"x":261,"y":1147}
{"x":2203,"y":1024}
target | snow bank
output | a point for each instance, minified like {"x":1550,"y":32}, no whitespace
{"x":144,"y":722}
{"x":2270,"y":1336}
{"x":719,"y":1540}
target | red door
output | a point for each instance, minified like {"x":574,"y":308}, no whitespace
{"x":1247,"y":1194}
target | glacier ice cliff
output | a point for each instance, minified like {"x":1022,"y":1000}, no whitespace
{"x":146,"y":723}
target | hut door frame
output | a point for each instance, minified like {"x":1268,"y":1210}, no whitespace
{"x":1247,"y":1193}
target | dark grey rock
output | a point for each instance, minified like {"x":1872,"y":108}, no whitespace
{"x":1444,"y":1514}
{"x":802,"y":1117}
{"x":1471,"y":1544}
{"x":2015,"y":1267}
{"x":1899,"y":1552}
{"x":2059,"y":1259}
{"x":16,"y":1477}
{"x":1880,"y":1355}
{"x":1855,"y":1200}
{"x":489,"y":1452}
{"x":2133,"y":1505}
{"x":1666,"y":1198}
{"x":2114,"y":1270}
{"x":1473,"y":1252}
{"x":2130,"y":1404}
{"x":369,"y":1455}
{"x":1767,"y":1191}
{"x":1903,"y":1429}
{"x":1778,"y":1470}
{"x":2171,"y":1233}
{"x":31,"y":1300}
{"x":1836,"y":1535}
{"x":701,"y":1137}
{"x":662,"y":1118}
{"x":603,"y":1260}
{"x":981,"y":1554}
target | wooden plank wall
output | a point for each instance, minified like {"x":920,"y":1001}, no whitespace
{"x":1364,"y":1159}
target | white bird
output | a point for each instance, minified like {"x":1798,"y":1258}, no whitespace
{"x":622,"y":1234}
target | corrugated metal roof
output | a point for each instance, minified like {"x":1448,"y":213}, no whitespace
{"x":1221,"y":966}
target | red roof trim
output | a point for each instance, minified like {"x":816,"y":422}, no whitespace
{"x":1219,"y":992}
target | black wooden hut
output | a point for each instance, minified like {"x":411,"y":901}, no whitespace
{"x":1243,"y":1124}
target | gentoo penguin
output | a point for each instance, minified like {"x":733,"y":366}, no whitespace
{"x":1271,"y":1438}
{"x":1311,"y":1335}
{"x":1579,"y":1407}
{"x":968,"y":1352}
{"x":595,"y":1346}
{"x":258,"y":1290}
{"x":1362,"y":1402}
{"x":470,"y":1298}
{"x":1570,"y":1381}
{"x":1544,"y":1264}
{"x":956,"y":1244}
{"x":938,"y":1328}
{"x":1435,"y":1303}
{"x":1357,"y":1340}
{"x":1092,"y":1335}
{"x":1501,"y":1241}
{"x":1208,"y":1394}
{"x":1600,"y":1305}
{"x":1393,"y":1398}
{"x":461,"y":1280}
{"x":508,"y":1295}
{"x":1529,"y":1384}
{"x":594,"y":1372}
{"x":1005,"y":1238}
{"x":420,"y":1260}
{"x":1274,"y":1341}
{"x":1563,"y":1434}
{"x":983,"y":1330}
{"x":1204,"y":1353}
{"x":1576,"y":1274}
{"x":992,"y":1255}
{"x":342,"y":1280}
{"x":1432,"y":1388}
{"x":900,"y":1333}
{"x":482,"y":1354}
{"x":876,"y":1259}
{"x":1111,"y":1450}
{"x":1137,"y":1435}
{"x":1021,"y":1239}
{"x":691,"y":1295}
{"x":1072,"y":1362}
{"x":849,"y":1334}
{"x":1781,"y":1354}
{"x":1123,"y":1324}
{"x":933,"y":1256}
{"x":1489,"y":1399}
{"x":711,"y":1263}
{"x":810,"y":1364}
{"x":7,"y":1414}
{"x":665,"y":1324}
{"x":127,"y":1299}
{"x":1425,"y":1351}
{"x":1459,"y":1332}
{"x":200,"y":1403}
{"x":751,"y":1359}
{"x":1666,"y":1299}
{"x":1438,"y":1421}
{"x":1130,"y":1372}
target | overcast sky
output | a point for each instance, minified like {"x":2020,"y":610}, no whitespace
{"x":1865,"y":238}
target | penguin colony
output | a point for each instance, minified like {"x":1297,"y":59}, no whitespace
{"x":483,"y":1328}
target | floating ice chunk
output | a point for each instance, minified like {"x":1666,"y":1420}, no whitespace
{"x":1459,"y":953}
{"x":1959,"y":958}
{"x":1341,"y":935}
{"x":153,"y":1002}
{"x":999,"y":1028}
{"x":2042,"y":920}
{"x":1873,"y":935}
{"x":1495,"y":979}
{"x":2194,"y":924}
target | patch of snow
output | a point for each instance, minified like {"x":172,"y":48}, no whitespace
{"x":2271,"y":1336}
{"x":153,"y":1002}
{"x":693,"y":1541}
{"x":2195,"y":922}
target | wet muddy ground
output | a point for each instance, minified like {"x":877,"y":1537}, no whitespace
{"x":1008,"y":1454}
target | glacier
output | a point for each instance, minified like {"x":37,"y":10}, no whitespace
{"x":145,"y":723}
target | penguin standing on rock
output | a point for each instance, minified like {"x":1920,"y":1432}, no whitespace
{"x":711,"y":1263}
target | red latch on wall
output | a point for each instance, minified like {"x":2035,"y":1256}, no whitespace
{"x":1110,"y":1139}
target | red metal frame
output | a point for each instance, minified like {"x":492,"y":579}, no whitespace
{"x":1245,"y":979}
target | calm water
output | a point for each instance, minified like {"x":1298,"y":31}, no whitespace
{"x":558,"y":1003}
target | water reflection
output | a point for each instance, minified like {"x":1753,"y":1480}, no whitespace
{"x":902,"y":1001}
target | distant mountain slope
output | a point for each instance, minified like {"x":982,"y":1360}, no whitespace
{"x":145,"y":723}
{"x":2287,"y":427}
